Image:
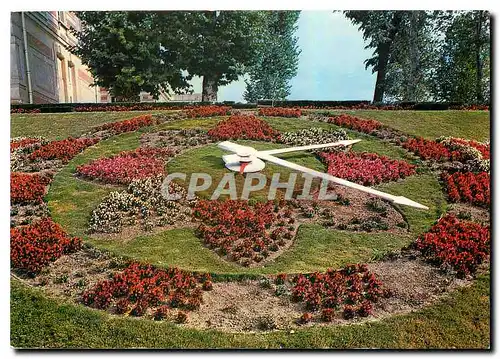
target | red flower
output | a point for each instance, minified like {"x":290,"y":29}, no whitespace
{"x":366,"y":168}
{"x":353,"y":286}
{"x":468,"y":187}
{"x":462,"y":245}
{"x":34,"y":246}
{"x":207,"y":111}
{"x":26,"y":187}
{"x":355,"y":123}
{"x":62,"y":150}
{"x":244,"y":127}
{"x":280,"y":112}
{"x":146,"y":286}
{"x":128,"y":125}
{"x":127,"y":166}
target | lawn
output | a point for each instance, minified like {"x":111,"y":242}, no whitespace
{"x":57,"y":126}
{"x":474,"y":125}
{"x":461,"y":320}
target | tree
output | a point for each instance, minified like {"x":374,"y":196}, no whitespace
{"x":379,"y":29}
{"x":413,"y":55}
{"x":462,"y":72}
{"x":128,"y":52}
{"x":277,"y":58}
{"x":219,"y":45}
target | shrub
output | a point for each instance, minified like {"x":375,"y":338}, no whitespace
{"x":34,"y":246}
{"x":162,"y":312}
{"x":328,"y":314}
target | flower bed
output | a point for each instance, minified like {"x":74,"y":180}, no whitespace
{"x":208,"y":111}
{"x":128,"y":125}
{"x":366,"y":168}
{"x":466,"y":150}
{"x":461,"y":245}
{"x":313,"y":136}
{"x":245,"y":233}
{"x":62,"y":150}
{"x":141,"y":286}
{"x":26,"y":187}
{"x":280,"y":112}
{"x":142,"y":203}
{"x":22,"y":110}
{"x":119,"y":108}
{"x":468,"y":187}
{"x":127,"y":166}
{"x":352,"y":289}
{"x":246,"y":127}
{"x":355,"y":123}
{"x":427,"y":149}
{"x":20,"y":143}
{"x":34,"y":246}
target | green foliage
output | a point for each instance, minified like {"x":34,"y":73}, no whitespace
{"x":277,"y":58}
{"x":413,"y":55}
{"x":462,"y":73}
{"x":131,"y":51}
{"x":427,"y":55}
{"x":218,"y":45}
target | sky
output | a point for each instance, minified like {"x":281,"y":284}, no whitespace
{"x":331,"y":64}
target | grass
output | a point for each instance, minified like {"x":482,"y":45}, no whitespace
{"x":315,"y":248}
{"x":462,"y":320}
{"x":57,"y":126}
{"x":474,"y":125}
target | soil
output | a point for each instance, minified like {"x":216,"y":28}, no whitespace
{"x":246,"y":306}
{"x":70,"y":275}
{"x":469,"y":212}
{"x":355,"y":215}
{"x":21,"y":214}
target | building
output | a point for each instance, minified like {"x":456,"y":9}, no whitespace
{"x":43,"y":70}
{"x":194,"y":97}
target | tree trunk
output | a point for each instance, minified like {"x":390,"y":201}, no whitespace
{"x":479,"y":65}
{"x":383,"y":50}
{"x":414,"y":58}
{"x":210,"y":87}
{"x":383,"y":59}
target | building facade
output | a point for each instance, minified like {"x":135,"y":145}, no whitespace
{"x":43,"y":70}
